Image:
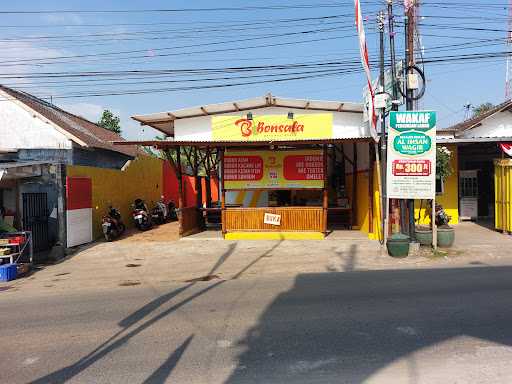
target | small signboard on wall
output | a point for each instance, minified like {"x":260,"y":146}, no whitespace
{"x":411,"y":169}
{"x":272,"y":219}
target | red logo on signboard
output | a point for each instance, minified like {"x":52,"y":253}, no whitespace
{"x":245,"y":127}
{"x":304,"y":167}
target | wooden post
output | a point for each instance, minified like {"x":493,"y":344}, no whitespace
{"x":223,"y":192}
{"x":197,"y":180}
{"x":354,"y":184}
{"x":208,"y":179}
{"x":325,"y":200}
{"x":199,"y":191}
{"x":180,"y":189}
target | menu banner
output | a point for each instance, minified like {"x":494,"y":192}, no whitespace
{"x":411,"y":172}
{"x":274,"y":169}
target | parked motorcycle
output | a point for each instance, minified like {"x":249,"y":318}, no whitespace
{"x":163,"y":212}
{"x":159,"y":213}
{"x":141,"y":216}
{"x":112,"y":224}
{"x":172,"y":211}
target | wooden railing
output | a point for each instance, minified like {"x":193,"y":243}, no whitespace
{"x":300,"y":219}
{"x":191,"y":221}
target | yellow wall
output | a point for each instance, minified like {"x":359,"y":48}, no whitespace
{"x":141,"y":179}
{"x":361,"y":199}
{"x":449,"y":199}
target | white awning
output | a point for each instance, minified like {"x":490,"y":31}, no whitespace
{"x":163,"y":121}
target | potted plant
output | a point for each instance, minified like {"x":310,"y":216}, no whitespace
{"x":445,"y":233}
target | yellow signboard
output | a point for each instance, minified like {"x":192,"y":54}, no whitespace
{"x":272,"y":127}
{"x":273,"y":169}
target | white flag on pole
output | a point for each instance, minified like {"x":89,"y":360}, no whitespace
{"x":366,"y":66}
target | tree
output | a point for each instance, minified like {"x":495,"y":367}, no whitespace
{"x":110,"y":122}
{"x":482,"y":108}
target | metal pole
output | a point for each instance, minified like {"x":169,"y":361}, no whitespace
{"x":394,"y":92}
{"x":409,"y":55}
{"x":383,"y":139}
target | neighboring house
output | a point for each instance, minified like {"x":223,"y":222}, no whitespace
{"x":59,"y":172}
{"x":475,"y":144}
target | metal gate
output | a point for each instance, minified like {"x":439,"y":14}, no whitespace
{"x":503,"y":193}
{"x":35,"y":219}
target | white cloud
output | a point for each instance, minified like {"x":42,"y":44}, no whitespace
{"x":63,"y":18}
{"x":15,"y":61}
{"x":131,"y":130}
{"x":89,"y":111}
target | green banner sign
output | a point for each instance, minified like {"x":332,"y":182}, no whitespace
{"x":412,"y":143}
{"x":412,"y":121}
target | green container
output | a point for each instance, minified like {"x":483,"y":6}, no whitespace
{"x":424,"y":235}
{"x":398,"y":245}
{"x":445,"y":236}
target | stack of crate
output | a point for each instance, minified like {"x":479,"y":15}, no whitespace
{"x":4,"y":250}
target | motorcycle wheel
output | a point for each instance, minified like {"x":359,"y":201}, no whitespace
{"x":108,"y":237}
{"x":122,"y":228}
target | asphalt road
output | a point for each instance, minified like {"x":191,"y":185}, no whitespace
{"x":408,"y":326}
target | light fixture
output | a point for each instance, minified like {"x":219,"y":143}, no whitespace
{"x":249,"y":116}
{"x":290,"y":115}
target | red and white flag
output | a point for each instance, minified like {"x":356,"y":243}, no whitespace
{"x":507,"y":148}
{"x":366,"y":66}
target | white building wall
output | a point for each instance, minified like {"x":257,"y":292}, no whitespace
{"x":499,"y":125}
{"x":345,"y":124}
{"x":20,"y":128}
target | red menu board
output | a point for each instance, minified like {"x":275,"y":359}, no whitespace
{"x":303,"y":167}
{"x":243,"y":168}
{"x":411,"y":167}
{"x":289,"y":169}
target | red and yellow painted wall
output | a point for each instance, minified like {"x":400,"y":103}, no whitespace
{"x":145,"y":177}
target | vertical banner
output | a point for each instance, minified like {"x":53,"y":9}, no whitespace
{"x":411,"y":170}
{"x":363,"y":49}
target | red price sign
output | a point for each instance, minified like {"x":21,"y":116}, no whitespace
{"x":243,"y":168}
{"x":304,"y":167}
{"x":412,"y":167}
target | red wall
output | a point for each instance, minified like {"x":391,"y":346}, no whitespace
{"x":170,"y":187}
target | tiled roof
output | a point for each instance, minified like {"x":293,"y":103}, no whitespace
{"x":89,"y":133}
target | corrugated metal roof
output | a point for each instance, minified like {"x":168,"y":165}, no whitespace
{"x":88,"y":133}
{"x":174,"y":143}
{"x":163,"y":121}
{"x":462,"y":140}
{"x":18,"y":164}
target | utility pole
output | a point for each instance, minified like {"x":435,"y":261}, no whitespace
{"x":383,"y":138}
{"x":394,"y":105}
{"x":409,"y":58}
{"x":508,"y":78}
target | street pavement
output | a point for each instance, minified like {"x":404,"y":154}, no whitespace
{"x":387,"y":326}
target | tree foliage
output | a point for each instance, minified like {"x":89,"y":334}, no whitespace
{"x":482,"y":108}
{"x":110,"y":121}
{"x":443,"y":163}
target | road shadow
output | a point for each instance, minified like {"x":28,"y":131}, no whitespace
{"x":164,"y":371}
{"x":346,"y":327}
{"x":144,"y":318}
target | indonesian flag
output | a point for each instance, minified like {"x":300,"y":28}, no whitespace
{"x":366,"y":66}
{"x":507,"y":148}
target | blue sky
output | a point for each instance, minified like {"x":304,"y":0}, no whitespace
{"x":33,"y":44}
